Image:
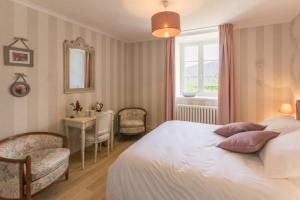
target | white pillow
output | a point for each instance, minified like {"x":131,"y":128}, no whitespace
{"x":281,"y":156}
{"x":282,"y":124}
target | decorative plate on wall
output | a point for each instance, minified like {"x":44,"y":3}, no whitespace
{"x":20,"y":88}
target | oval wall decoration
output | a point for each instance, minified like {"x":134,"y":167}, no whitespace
{"x":20,"y":88}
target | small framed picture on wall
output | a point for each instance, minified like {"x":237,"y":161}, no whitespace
{"x":18,"y":56}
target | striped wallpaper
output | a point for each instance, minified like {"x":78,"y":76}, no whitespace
{"x":146,"y":78}
{"x":267,"y":70}
{"x":45,"y":107}
{"x":133,"y":74}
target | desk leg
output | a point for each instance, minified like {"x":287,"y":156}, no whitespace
{"x":112,"y":136}
{"x":67,"y":131}
{"x":82,"y":146}
{"x":112,"y":141}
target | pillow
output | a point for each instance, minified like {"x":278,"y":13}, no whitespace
{"x":282,"y":124}
{"x":281,"y":156}
{"x":247,"y":142}
{"x":237,"y":127}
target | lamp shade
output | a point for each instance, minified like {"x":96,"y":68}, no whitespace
{"x":165,"y":24}
{"x":286,"y":109}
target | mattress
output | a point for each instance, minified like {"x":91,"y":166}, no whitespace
{"x":180,"y":161}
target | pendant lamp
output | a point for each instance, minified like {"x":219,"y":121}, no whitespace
{"x":165,"y":24}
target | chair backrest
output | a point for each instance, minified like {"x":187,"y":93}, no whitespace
{"x":21,"y":145}
{"x":132,"y":113}
{"x":104,"y":122}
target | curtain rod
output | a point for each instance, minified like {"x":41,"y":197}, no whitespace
{"x":195,"y":29}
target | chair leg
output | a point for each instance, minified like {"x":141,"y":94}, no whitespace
{"x":28,"y":197}
{"x":67,"y":174}
{"x":100,"y":146}
{"x":108,"y":147}
{"x":96,"y":150}
{"x":120,"y":137}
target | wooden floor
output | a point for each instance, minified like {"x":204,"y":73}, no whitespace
{"x":87,"y":184}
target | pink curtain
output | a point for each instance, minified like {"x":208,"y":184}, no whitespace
{"x":298,"y":109}
{"x":226,"y":100}
{"x":87,"y":71}
{"x":170,"y":79}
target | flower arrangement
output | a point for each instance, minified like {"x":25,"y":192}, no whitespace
{"x":76,"y":107}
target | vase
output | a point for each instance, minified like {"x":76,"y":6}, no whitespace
{"x":77,"y":114}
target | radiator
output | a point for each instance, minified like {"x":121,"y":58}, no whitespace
{"x":197,"y":113}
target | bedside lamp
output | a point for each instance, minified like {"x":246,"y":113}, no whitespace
{"x":286,"y":108}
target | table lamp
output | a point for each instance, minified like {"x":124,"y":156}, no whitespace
{"x":286,"y":108}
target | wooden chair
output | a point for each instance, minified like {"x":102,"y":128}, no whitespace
{"x":103,"y":132}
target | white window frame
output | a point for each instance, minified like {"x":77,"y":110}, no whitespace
{"x":200,"y":45}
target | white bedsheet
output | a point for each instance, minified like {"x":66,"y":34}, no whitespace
{"x":179,"y":161}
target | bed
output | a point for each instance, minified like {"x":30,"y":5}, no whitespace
{"x":179,"y":161}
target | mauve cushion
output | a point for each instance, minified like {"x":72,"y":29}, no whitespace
{"x":247,"y":142}
{"x":237,"y":127}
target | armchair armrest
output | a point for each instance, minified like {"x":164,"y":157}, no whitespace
{"x":13,"y":177}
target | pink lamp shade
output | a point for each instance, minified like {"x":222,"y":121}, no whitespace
{"x":286,"y":108}
{"x":165,"y":24}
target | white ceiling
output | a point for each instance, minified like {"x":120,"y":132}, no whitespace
{"x":129,"y":20}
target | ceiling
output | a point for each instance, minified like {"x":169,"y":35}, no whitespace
{"x":129,"y":20}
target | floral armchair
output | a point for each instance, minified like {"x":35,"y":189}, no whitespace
{"x":31,"y":162}
{"x":132,"y":121}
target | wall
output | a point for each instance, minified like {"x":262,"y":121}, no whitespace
{"x":267,"y":69}
{"x":267,"y":72}
{"x":295,"y":57}
{"x":146,"y":78}
{"x":45,"y":107}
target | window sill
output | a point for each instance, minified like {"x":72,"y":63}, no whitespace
{"x":197,"y":98}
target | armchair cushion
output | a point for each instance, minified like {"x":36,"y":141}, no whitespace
{"x":133,"y":130}
{"x":46,"y":161}
{"x":44,"y":182}
{"x":90,"y":137}
{"x":127,"y":123}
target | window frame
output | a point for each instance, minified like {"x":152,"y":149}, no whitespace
{"x":200,"y":91}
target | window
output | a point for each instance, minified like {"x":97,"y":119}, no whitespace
{"x":198,"y":66}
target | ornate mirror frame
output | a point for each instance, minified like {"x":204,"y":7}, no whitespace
{"x":79,"y":43}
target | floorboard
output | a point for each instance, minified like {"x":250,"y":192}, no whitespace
{"x":87,"y":184}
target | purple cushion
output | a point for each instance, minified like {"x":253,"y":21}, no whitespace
{"x":247,"y":142}
{"x":237,"y":127}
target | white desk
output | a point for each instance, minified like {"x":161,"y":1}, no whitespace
{"x":83,"y":123}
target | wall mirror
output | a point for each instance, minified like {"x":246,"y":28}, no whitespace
{"x":79,"y":66}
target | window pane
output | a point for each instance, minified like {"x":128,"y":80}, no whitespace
{"x":210,"y":52}
{"x":191,"y":53}
{"x":190,"y":77}
{"x":210,"y":76}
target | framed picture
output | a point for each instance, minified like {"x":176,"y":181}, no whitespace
{"x":18,"y":56}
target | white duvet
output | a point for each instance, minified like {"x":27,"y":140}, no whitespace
{"x":180,"y":161}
